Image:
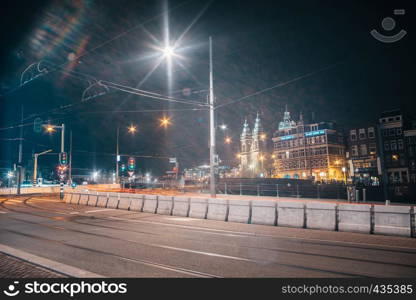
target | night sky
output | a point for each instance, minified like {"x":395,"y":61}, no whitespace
{"x":351,"y":77}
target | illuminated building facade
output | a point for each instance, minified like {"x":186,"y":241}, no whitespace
{"x":308,"y":151}
{"x":253,"y":148}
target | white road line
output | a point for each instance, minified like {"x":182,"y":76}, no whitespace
{"x":49,"y":264}
{"x":97,"y":210}
{"x":3,"y":212}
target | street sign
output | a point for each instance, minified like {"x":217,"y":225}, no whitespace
{"x":37,"y":125}
{"x":130,"y":173}
{"x":172,"y":160}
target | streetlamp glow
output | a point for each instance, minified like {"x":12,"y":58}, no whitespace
{"x":132,"y":129}
{"x":164,"y":122}
{"x":168,"y":51}
{"x":49,"y":129}
{"x":228,"y":140}
{"x":223,"y":126}
{"x":10,"y":174}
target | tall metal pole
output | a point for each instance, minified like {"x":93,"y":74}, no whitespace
{"x":19,"y":176}
{"x":211,"y":124}
{"x":35,"y":170}
{"x":385,"y":179}
{"x":61,"y":176}
{"x":117,"y":155}
{"x":70,"y":157}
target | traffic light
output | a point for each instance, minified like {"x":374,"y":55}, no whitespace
{"x":63,"y":158}
{"x":131,"y":164}
{"x":123,"y":167}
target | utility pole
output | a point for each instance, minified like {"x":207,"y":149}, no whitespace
{"x":383,"y":170}
{"x":70,"y":157}
{"x":19,"y":176}
{"x":117,"y":155}
{"x":211,"y":124}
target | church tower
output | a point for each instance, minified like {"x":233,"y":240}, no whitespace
{"x":257,"y":148}
{"x":246,"y":144}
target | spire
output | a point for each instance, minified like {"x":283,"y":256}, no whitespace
{"x":257,"y":125}
{"x":301,"y":118}
{"x":246,"y":130}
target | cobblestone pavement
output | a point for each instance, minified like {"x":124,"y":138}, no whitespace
{"x":11,"y":267}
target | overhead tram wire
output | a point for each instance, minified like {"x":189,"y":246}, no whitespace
{"x":279,"y":85}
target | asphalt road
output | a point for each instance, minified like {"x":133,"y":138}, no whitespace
{"x":118,"y":243}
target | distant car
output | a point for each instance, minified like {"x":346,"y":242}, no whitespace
{"x":84,"y":183}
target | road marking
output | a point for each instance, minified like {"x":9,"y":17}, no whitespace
{"x":3,"y":212}
{"x":74,"y":213}
{"x":48,"y":264}
{"x":97,"y":210}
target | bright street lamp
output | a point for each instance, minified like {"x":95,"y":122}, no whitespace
{"x":132,"y":129}
{"x":165,"y":122}
{"x":223,"y":127}
{"x":228,"y":140}
{"x":168,"y":51}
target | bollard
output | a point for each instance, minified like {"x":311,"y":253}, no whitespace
{"x":387,"y":202}
{"x":241,"y":189}
{"x":277,"y":190}
{"x":357,"y":195}
{"x":364,"y":195}
{"x":258,"y":190}
{"x":225,"y":187}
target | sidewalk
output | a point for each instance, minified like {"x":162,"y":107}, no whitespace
{"x":11,"y":267}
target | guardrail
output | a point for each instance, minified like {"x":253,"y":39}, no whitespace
{"x":374,"y":219}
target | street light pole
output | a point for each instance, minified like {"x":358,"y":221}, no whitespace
{"x":19,"y":175}
{"x":35,"y":165}
{"x":211,"y":124}
{"x":117,"y":155}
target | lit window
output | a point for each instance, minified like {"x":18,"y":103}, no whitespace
{"x":371,"y":134}
{"x":393,"y":145}
{"x":361,"y":134}
{"x":353,"y":135}
{"x":363,"y":149}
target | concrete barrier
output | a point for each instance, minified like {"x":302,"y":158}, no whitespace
{"x":239,"y":211}
{"x":180,"y":206}
{"x":124,"y":202}
{"x":264,"y":212}
{"x":83,"y":199}
{"x":290,"y":214}
{"x":165,"y":205}
{"x":102,"y":200}
{"x":392,"y":220}
{"x":136,"y":203}
{"x":150,"y":203}
{"x":92,"y":199}
{"x":354,"y":218}
{"x":75,"y":198}
{"x":198,"y":208}
{"x":217,"y":209}
{"x":113,"y":199}
{"x":320,"y":215}
{"x":67,"y":197}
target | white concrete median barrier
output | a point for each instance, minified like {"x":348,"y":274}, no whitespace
{"x":92,"y":199}
{"x":75,"y":198}
{"x":180,"y":206}
{"x":354,"y":218}
{"x":290,"y":214}
{"x":102,"y":200}
{"x":150,"y":203}
{"x":124,"y":202}
{"x":239,"y":211}
{"x":217,"y":209}
{"x":264,"y":212}
{"x":83,"y":200}
{"x":136,"y":203}
{"x":392,"y":220}
{"x":320,"y":215}
{"x":165,"y":205}
{"x":198,"y":208}
{"x":67,"y":197}
{"x":113,"y":199}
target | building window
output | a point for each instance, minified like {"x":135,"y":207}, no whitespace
{"x":354,"y":150}
{"x":399,"y":131}
{"x":392,"y":132}
{"x":353,"y":135}
{"x":400,"y":144}
{"x":363,"y":149}
{"x":371,"y":134}
{"x":361,"y":134}
{"x":372,"y":148}
{"x":393,"y":145}
{"x":386,"y":146}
